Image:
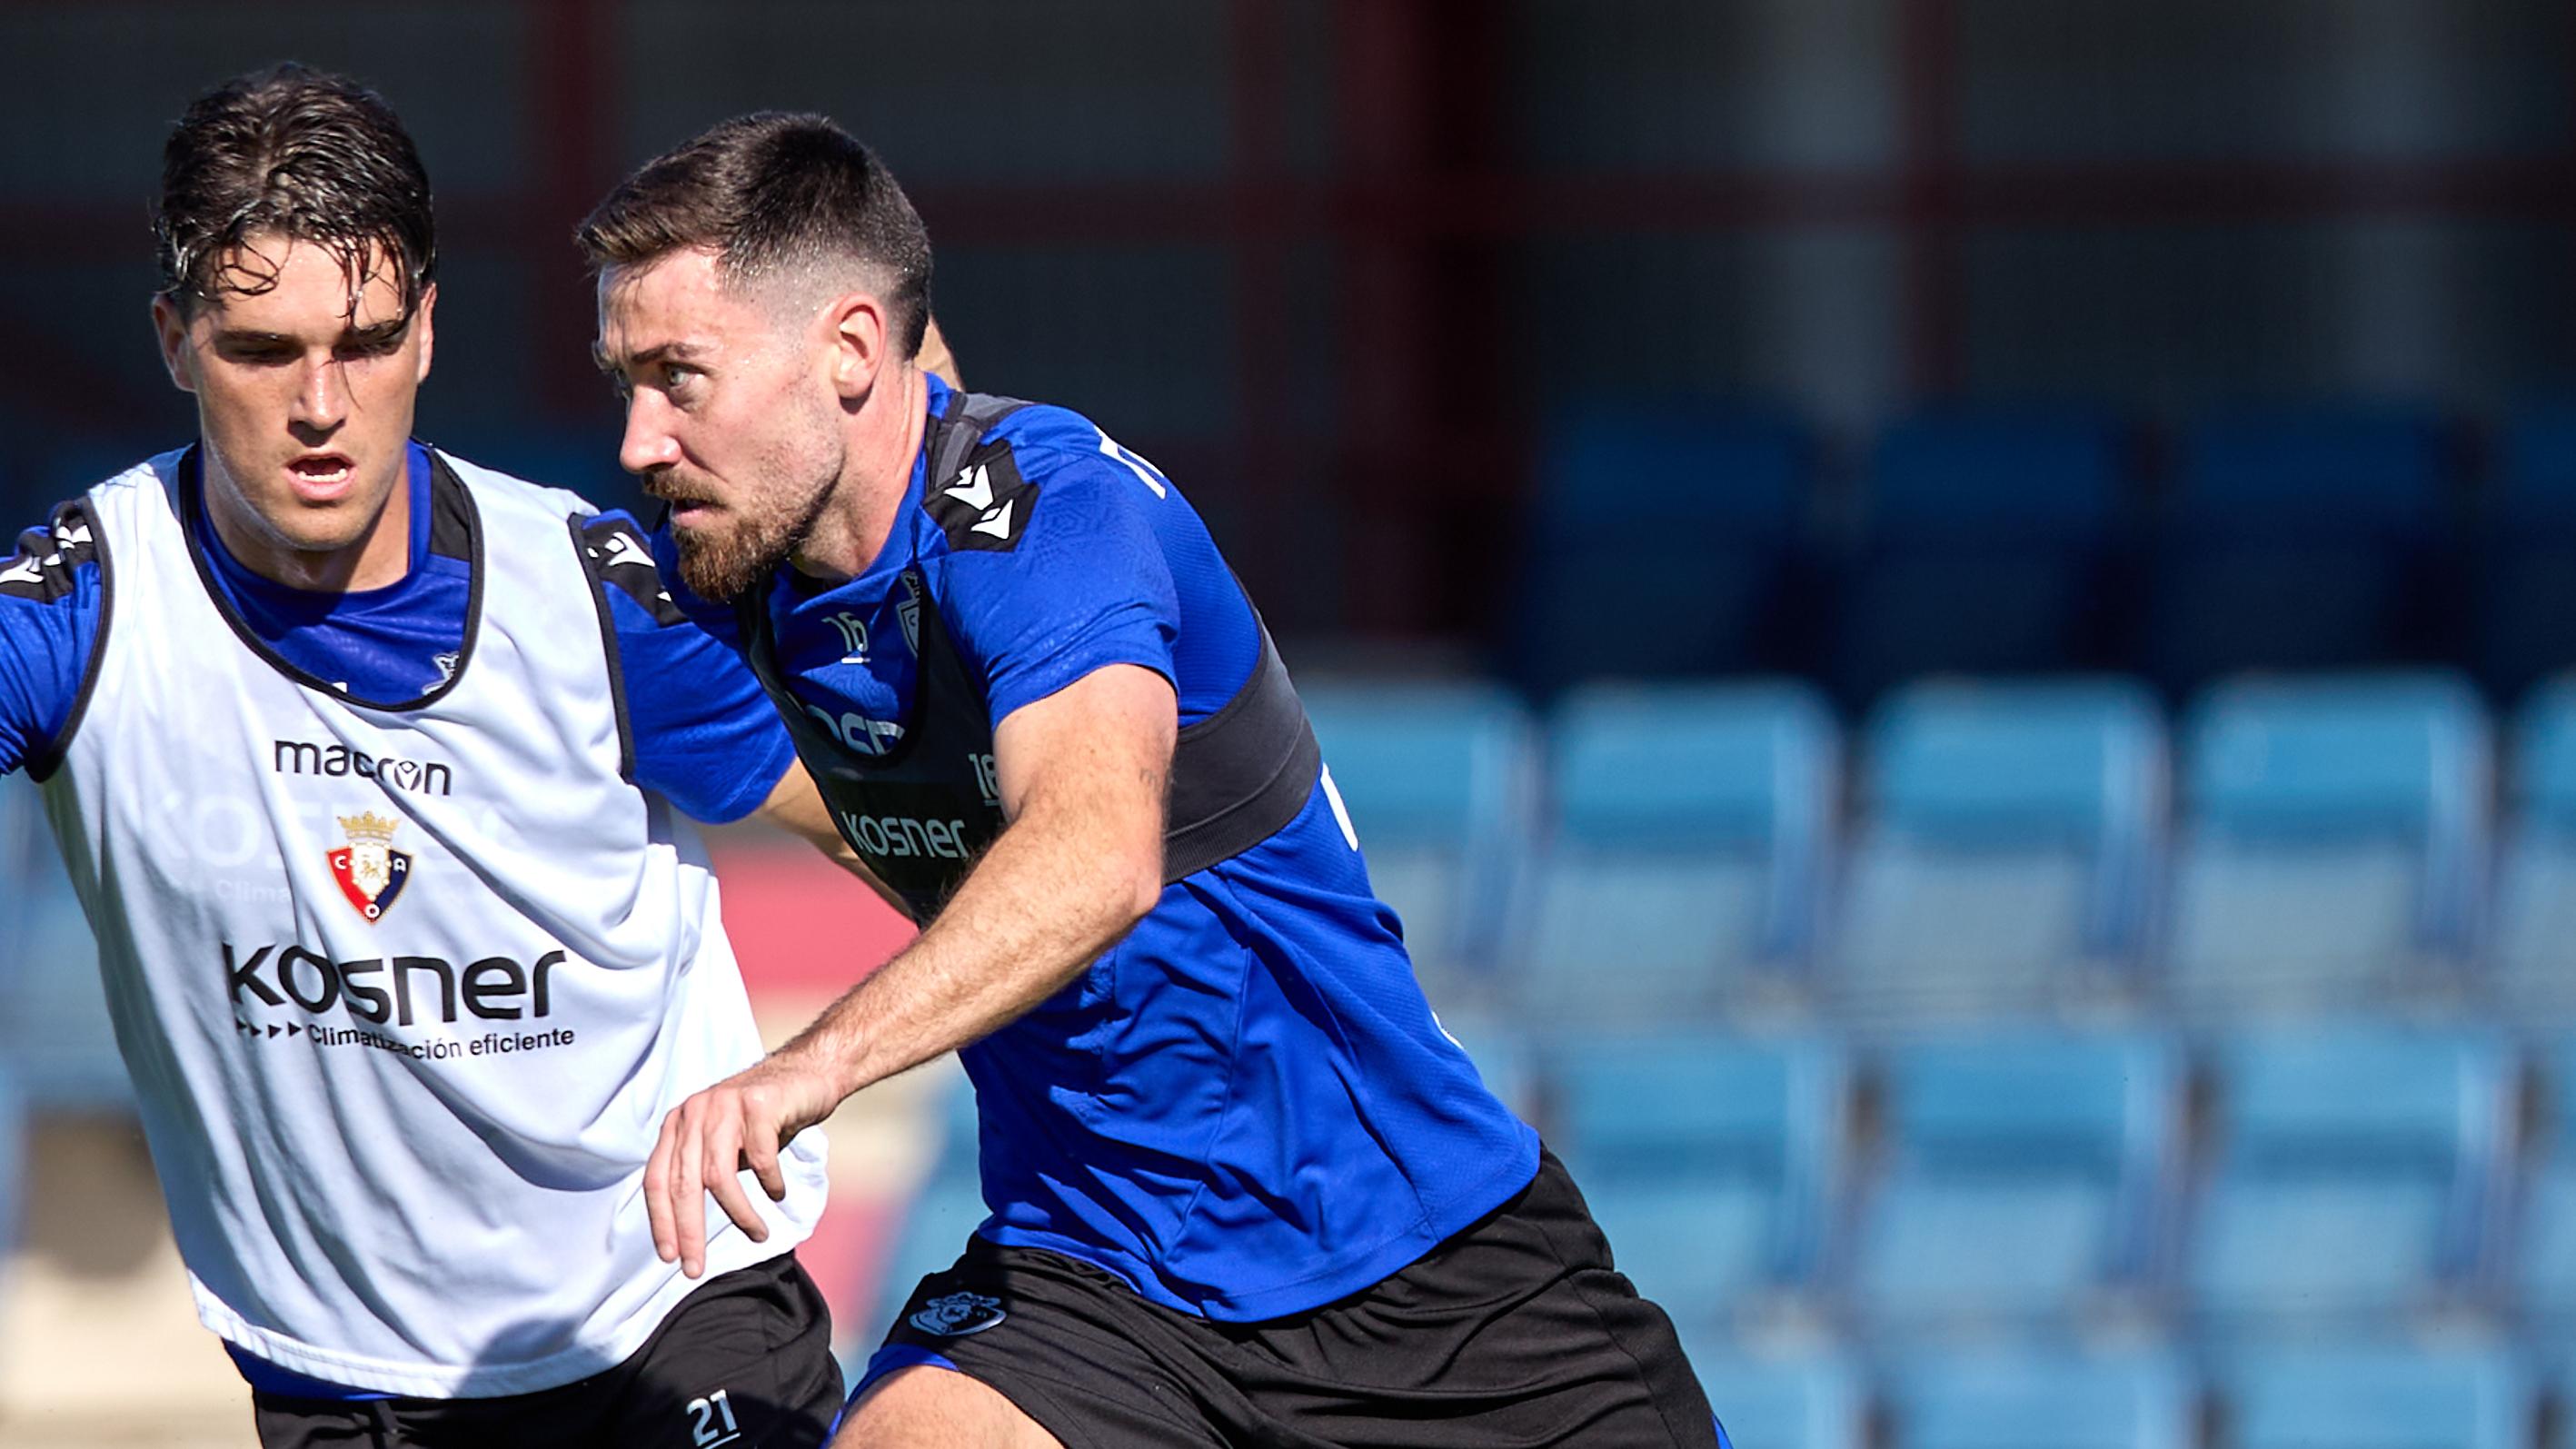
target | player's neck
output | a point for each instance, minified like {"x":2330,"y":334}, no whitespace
{"x":380,"y":558}
{"x":885,"y":441}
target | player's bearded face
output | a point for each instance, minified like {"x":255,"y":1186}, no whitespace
{"x":727,"y":419}
{"x":305,"y":379}
{"x":732,"y":531}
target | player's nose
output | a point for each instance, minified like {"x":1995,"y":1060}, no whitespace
{"x":320,"y":399}
{"x":648,"y":443}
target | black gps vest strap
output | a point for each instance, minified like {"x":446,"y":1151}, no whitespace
{"x":1239,"y":775}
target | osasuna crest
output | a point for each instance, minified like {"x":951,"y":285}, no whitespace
{"x":370,"y":871}
{"x":959,"y":1314}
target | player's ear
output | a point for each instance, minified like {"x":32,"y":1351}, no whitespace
{"x":858,"y":327}
{"x":420,"y":318}
{"x":173,"y":331}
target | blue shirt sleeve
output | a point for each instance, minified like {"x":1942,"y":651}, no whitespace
{"x":49,"y":613}
{"x":706,"y":737}
{"x":1083,"y":585}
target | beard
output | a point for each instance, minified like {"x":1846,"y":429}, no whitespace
{"x":727,"y":557}
{"x":723,"y":561}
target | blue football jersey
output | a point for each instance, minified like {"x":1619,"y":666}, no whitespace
{"x":1245,"y":1108}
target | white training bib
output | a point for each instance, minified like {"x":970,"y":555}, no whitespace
{"x":405,"y":993}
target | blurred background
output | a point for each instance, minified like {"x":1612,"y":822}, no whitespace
{"x":1946,"y":619}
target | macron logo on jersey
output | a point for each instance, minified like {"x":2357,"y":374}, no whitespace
{"x":296,"y":757}
{"x":988,"y":507}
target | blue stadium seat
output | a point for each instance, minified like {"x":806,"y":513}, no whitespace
{"x":2535,"y":931}
{"x":1659,"y":543}
{"x":2377,"y":1397}
{"x":1809,"y":1403}
{"x":2023,"y":1181}
{"x":1710,"y":1161}
{"x":1441,"y":781}
{"x":1686,"y":852}
{"x":2525,"y":593}
{"x":54,"y":1029}
{"x":2358,"y":1173}
{"x":2335,"y":840}
{"x":2008,"y":851}
{"x":2298,"y":539}
{"x":2545,"y":1243}
{"x":2057,"y":1401}
{"x":1988,"y":536}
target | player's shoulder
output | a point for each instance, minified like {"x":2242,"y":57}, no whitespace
{"x":1041,"y":471}
{"x":508,"y":490}
{"x":621,"y":557}
{"x":53,"y":558}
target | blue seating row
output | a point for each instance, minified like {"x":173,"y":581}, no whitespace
{"x":2029,"y":1186}
{"x":1684,"y":539}
{"x":2360,"y":1396}
{"x":1653,"y":850}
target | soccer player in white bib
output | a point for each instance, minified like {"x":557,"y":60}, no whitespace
{"x":370,"y":767}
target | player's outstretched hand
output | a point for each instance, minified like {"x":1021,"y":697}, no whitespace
{"x":709,"y":1140}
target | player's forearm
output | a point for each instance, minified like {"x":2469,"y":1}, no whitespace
{"x":1041,"y":906}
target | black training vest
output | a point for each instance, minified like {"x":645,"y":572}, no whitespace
{"x":921,"y":813}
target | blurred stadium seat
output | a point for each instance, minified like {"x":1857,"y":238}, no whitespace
{"x":1712,"y":1162}
{"x":2056,"y":1401}
{"x":2525,"y":590}
{"x":1687,"y":848}
{"x":2023,"y":1180}
{"x":2376,"y":1398}
{"x":1661,"y":544}
{"x":2298,"y":539}
{"x":2535,"y":929}
{"x":1799,"y":1403}
{"x":1988,"y":536}
{"x":2010,"y":846}
{"x":2356,"y":1175}
{"x":1441,"y":781}
{"x":2335,"y":842}
{"x":2545,"y":1237}
{"x":54,"y":1030}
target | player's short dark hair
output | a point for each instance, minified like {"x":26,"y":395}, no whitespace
{"x":310,"y":155}
{"x":768,"y":191}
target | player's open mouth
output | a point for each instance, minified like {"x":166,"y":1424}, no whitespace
{"x":321,"y":476}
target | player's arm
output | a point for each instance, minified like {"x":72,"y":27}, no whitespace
{"x":51,"y":603}
{"x":1083,"y":774}
{"x":797,"y":807}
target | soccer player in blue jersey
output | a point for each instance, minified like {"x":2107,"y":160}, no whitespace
{"x":1243,"y":1188}
{"x":364,"y":760}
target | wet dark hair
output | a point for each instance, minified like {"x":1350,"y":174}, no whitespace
{"x":309,"y":155}
{"x":767,"y":192}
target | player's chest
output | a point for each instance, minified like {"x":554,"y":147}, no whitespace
{"x":854,"y":664}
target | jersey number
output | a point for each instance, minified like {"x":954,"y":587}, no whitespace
{"x":1146,"y":473}
{"x":706,"y":1410}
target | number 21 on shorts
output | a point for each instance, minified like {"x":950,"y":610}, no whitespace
{"x":712,"y":1420}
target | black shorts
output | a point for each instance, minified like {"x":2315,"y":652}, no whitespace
{"x":1515,"y":1332}
{"x":744,"y":1362}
